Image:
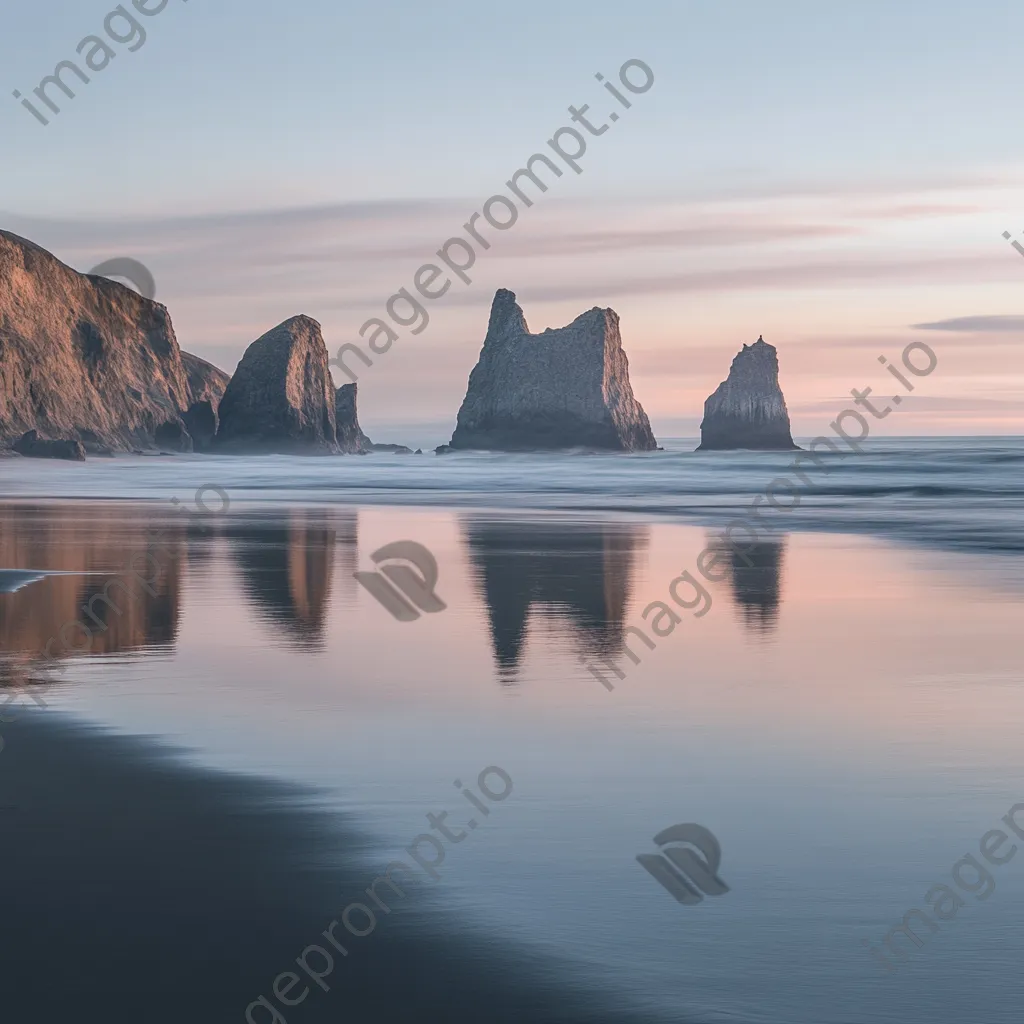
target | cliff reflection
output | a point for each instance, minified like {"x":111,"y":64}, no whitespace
{"x":285,"y":565}
{"x":579,"y":572}
{"x":119,"y":590}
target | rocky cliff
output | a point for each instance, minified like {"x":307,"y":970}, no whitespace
{"x":748,"y":409}
{"x":564,"y":388}
{"x":83,"y":358}
{"x":281,"y":398}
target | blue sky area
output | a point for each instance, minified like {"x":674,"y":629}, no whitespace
{"x":827,"y":174}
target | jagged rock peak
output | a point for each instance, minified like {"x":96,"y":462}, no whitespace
{"x":281,"y":398}
{"x":563,"y":388}
{"x":748,"y":409}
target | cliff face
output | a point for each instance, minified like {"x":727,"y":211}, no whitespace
{"x":83,"y":358}
{"x":748,"y":409}
{"x":281,"y":398}
{"x":351,"y":439}
{"x":206,"y":387}
{"x":564,"y":388}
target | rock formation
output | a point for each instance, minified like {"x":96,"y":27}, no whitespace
{"x":748,"y":409}
{"x":564,"y":388}
{"x":351,"y":439}
{"x":84,"y":358}
{"x":31,"y":446}
{"x":206,"y":385}
{"x":281,"y":398}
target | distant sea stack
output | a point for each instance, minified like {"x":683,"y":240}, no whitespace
{"x":281,"y":398}
{"x":564,"y":388}
{"x":748,"y":409}
{"x":351,"y":439}
{"x":83,"y":359}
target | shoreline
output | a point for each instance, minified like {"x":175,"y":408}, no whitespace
{"x":174,"y":892}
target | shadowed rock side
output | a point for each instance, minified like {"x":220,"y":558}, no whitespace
{"x":206,"y":385}
{"x":82,"y":358}
{"x":748,"y":409}
{"x":565,"y":388}
{"x":281,"y":398}
{"x":351,"y":439}
{"x":583,"y":573}
{"x":30,"y":445}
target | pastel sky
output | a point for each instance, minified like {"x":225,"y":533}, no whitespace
{"x":835,"y":177}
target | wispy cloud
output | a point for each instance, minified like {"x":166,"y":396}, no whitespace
{"x":976,"y":324}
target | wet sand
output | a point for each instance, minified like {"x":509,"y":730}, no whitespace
{"x":141,"y":889}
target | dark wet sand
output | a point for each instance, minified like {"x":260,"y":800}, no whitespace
{"x":140,"y":889}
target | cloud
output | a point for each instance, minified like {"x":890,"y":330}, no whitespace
{"x":985,"y":324}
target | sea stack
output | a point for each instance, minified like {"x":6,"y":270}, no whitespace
{"x":351,"y":439}
{"x":564,"y":388}
{"x":280,"y":400}
{"x":83,"y":359}
{"x":748,"y":409}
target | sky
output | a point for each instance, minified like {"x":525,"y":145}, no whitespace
{"x":836,"y":177}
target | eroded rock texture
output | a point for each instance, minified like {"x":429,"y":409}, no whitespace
{"x":82,"y":358}
{"x":281,"y":399}
{"x":748,"y":409}
{"x":564,"y":388}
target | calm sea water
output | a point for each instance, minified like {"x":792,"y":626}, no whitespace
{"x":846,"y":718}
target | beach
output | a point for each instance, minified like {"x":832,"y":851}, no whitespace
{"x":253,"y":742}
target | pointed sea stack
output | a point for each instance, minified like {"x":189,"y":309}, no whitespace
{"x":280,"y":400}
{"x":748,"y":409}
{"x":564,"y":388}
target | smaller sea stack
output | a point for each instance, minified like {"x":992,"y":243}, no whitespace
{"x":748,"y":409}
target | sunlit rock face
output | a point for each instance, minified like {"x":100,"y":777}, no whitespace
{"x":564,"y":388}
{"x":281,"y":399}
{"x":748,"y":409}
{"x":82,"y":358}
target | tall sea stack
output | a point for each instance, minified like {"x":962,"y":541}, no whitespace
{"x":281,"y":398}
{"x":748,"y":409}
{"x":564,"y":388}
